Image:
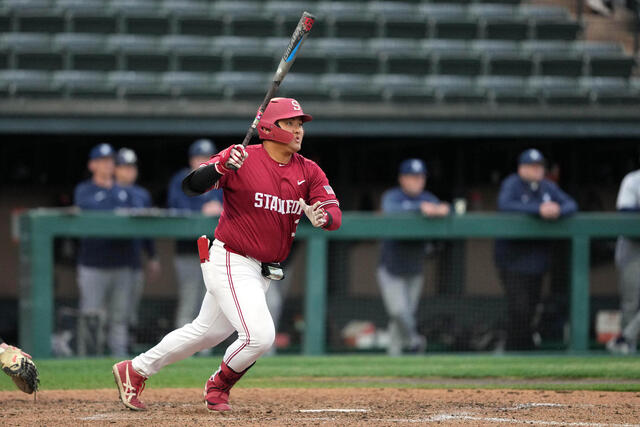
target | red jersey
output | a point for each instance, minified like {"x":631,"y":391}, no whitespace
{"x":260,"y":203}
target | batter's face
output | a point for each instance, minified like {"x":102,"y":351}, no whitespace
{"x":102,"y":167}
{"x":531,"y":172}
{"x":412,"y":184}
{"x":293,"y":125}
{"x":126,"y":174}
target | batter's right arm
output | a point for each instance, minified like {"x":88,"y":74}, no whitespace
{"x":206,"y":177}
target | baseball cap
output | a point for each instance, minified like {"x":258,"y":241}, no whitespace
{"x":412,"y":166}
{"x":101,"y":150}
{"x":126,"y":156}
{"x":202,"y":147}
{"x":531,"y":156}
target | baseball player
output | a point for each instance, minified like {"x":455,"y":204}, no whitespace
{"x":104,"y":265}
{"x":523,"y":264}
{"x":191,"y":288}
{"x":267,"y":188}
{"x":400,"y":273}
{"x":126,"y":174}
{"x":19,"y":366}
{"x":628,"y":262}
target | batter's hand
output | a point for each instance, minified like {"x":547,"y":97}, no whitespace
{"x":231,"y":158}
{"x":315,"y":213}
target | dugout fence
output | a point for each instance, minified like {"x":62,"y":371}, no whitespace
{"x":326,"y":263}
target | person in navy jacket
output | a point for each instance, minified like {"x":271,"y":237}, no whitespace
{"x":126,"y":174}
{"x":400,"y":272}
{"x":523,"y":264}
{"x":104,"y":265}
{"x":191,"y":287}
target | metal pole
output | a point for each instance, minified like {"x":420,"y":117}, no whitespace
{"x":579,"y":10}
{"x":579,"y":294}
{"x":316,"y":295}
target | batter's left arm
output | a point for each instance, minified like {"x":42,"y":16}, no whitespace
{"x":208,"y":175}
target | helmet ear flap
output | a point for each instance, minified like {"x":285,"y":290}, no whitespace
{"x":272,"y":132}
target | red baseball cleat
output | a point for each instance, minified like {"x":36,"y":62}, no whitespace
{"x":216,"y":391}
{"x":130,"y":385}
{"x":215,"y":398}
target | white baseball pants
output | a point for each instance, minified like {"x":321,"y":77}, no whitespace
{"x":235,"y":301}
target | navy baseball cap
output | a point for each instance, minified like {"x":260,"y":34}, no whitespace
{"x":202,"y":147}
{"x":126,"y":156}
{"x":102,"y":150}
{"x":531,"y":156}
{"x":413,"y":167}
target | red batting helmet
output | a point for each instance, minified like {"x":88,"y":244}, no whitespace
{"x":278,"y":109}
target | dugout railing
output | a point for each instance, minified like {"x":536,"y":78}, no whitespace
{"x":39,"y":228}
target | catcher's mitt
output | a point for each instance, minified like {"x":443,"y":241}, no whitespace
{"x":19,"y":366}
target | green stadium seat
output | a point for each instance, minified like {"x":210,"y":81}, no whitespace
{"x":614,"y":91}
{"x":404,"y":89}
{"x":147,"y":24}
{"x":363,"y":63}
{"x":138,"y":52}
{"x":290,"y":9}
{"x":238,"y":7}
{"x":408,"y":63}
{"x":509,"y":65}
{"x":84,"y":84}
{"x":437,"y":11}
{"x":452,"y":28}
{"x":243,"y":86}
{"x":32,"y":51}
{"x":545,"y":30}
{"x":5,"y":23}
{"x":191,"y":85}
{"x":592,"y":48}
{"x":252,"y":25}
{"x":74,"y":44}
{"x":25,"y":5}
{"x":507,"y":90}
{"x":560,"y":48}
{"x":563,"y":66}
{"x":235,"y":44}
{"x":495,"y":47}
{"x":385,"y":9}
{"x":460,"y":2}
{"x":559,"y":91}
{"x":511,"y":2}
{"x":28,"y":84}
{"x":252,"y":60}
{"x":192,"y":53}
{"x":355,"y":26}
{"x":507,"y":29}
{"x":610,"y":65}
{"x":137,"y":85}
{"x":339,"y":8}
{"x":385,"y":45}
{"x":304,"y":86}
{"x":81,"y":6}
{"x":410,"y":27}
{"x":437,"y":46}
{"x":40,"y":21}
{"x":333,"y":46}
{"x":455,"y":89}
{"x":185,"y":8}
{"x":542,"y":12}
{"x":200,"y":25}
{"x":456,"y":64}
{"x":491,"y":11}
{"x":93,"y":21}
{"x":351,"y":87}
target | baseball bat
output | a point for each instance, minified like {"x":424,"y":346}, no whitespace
{"x":299,"y":35}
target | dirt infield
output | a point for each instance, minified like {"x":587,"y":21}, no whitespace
{"x":351,"y":406}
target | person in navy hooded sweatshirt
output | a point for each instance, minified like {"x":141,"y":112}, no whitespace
{"x":523,"y":263}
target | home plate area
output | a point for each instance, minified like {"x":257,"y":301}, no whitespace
{"x":338,"y":406}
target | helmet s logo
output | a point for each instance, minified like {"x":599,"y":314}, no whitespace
{"x":296,"y":105}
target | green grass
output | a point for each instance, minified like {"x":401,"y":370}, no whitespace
{"x":449,"y":371}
